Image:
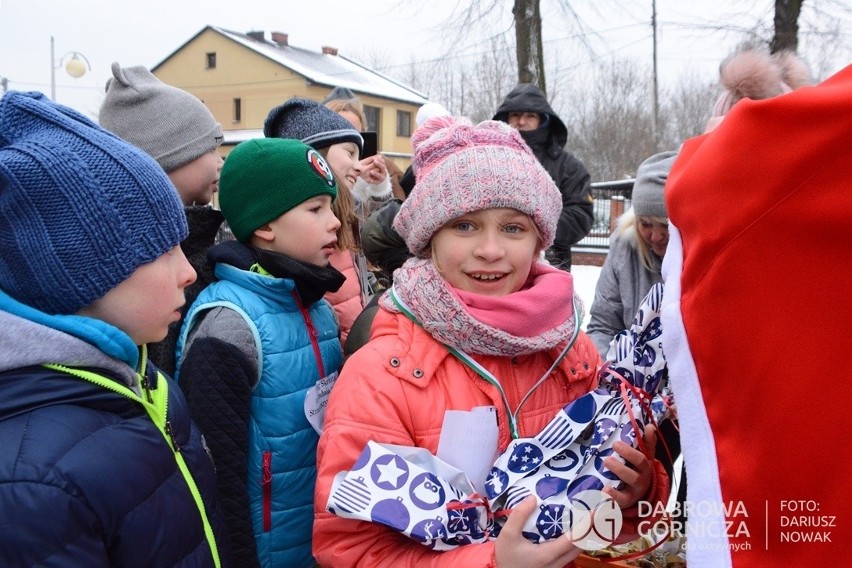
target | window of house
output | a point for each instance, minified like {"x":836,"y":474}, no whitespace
{"x":211,"y":60}
{"x":403,"y":123}
{"x":238,"y":110}
{"x":373,"y":116}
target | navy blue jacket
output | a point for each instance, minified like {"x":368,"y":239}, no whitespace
{"x":86,"y":478}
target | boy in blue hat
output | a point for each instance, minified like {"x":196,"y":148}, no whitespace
{"x":101,"y":464}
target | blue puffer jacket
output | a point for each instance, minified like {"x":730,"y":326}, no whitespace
{"x":289,"y":348}
{"x":86,"y":477}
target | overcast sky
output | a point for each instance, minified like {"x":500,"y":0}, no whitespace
{"x":390,"y":31}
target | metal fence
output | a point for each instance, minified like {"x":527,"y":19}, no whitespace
{"x":612,"y":198}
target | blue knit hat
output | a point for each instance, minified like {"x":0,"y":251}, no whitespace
{"x":310,"y":122}
{"x":80,"y":209}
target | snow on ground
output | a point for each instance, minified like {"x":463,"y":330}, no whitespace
{"x":585,"y":280}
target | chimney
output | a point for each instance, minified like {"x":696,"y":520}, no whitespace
{"x":280,"y":39}
{"x":256,"y":35}
{"x":326,"y":50}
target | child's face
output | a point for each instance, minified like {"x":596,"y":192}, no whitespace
{"x":148,"y":301}
{"x":654,"y":233}
{"x":307,"y":232}
{"x":343,"y":159}
{"x":487,"y":252}
{"x":198,"y":180}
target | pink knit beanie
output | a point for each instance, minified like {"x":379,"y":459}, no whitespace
{"x":462,"y":168}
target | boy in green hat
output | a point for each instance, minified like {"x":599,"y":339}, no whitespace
{"x":260,"y":349}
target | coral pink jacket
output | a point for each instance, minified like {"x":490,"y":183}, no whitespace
{"x":347,"y":300}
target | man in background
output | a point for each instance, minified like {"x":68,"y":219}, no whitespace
{"x":526,"y":109}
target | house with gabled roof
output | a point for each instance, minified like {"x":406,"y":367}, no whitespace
{"x":241,"y":77}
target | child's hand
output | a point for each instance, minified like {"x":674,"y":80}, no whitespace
{"x":513,"y":549}
{"x":636,"y":473}
{"x":374,"y":169}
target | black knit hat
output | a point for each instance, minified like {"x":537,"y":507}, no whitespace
{"x":310,"y":122}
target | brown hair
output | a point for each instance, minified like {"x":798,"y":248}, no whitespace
{"x":344,"y":209}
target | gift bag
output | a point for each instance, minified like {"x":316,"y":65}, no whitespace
{"x":412,"y":492}
{"x":415,"y":493}
{"x":566,"y":457}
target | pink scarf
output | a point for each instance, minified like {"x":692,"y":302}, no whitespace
{"x":539,"y":316}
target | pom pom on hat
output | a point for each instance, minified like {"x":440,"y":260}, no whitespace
{"x":755,"y":74}
{"x":170,"y":124}
{"x":264,"y":178}
{"x":463,"y":168}
{"x":648,"y":189}
{"x":794,"y":70}
{"x":310,"y":122}
{"x":429,"y":110}
{"x":80,"y":208}
{"x":426,"y":157}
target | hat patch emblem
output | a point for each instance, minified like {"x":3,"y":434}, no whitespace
{"x":320,"y":166}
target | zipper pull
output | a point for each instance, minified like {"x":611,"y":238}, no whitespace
{"x":146,"y":386}
{"x":311,"y":329}
{"x":171,"y":434}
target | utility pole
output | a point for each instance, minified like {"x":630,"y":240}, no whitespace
{"x":656,"y":127}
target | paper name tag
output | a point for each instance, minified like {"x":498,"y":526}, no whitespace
{"x":316,"y":399}
{"x":469,"y":442}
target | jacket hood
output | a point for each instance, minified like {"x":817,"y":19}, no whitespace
{"x":105,"y":337}
{"x":526,"y":97}
{"x":28,"y":343}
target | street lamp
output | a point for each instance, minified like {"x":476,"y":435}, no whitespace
{"x":76,"y":67}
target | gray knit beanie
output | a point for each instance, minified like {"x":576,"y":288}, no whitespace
{"x":172,"y":125}
{"x":80,"y":208}
{"x":648,"y":200}
{"x":312,"y":123}
{"x":339,"y":94}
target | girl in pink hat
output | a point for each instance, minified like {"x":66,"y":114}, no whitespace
{"x":475,"y":296}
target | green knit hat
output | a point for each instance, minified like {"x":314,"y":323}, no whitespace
{"x":264,"y":178}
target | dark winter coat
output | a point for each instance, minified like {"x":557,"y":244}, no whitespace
{"x":204,"y":223}
{"x":571,"y":177}
{"x":382,"y":245}
{"x":86,"y":477}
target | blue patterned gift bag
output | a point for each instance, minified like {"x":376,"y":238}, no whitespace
{"x":415,"y":493}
